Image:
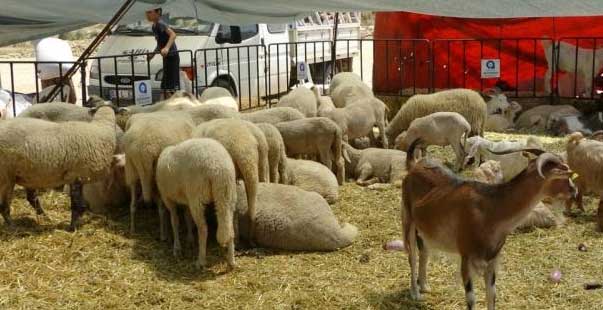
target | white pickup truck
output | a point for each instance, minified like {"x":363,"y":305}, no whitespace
{"x":252,"y":61}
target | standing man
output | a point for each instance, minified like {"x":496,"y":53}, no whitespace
{"x":166,"y":46}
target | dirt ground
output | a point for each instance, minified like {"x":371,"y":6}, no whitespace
{"x":103,"y":266}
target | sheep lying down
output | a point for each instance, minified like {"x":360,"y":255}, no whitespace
{"x":290,"y":218}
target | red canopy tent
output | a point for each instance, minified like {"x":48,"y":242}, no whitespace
{"x":523,"y":45}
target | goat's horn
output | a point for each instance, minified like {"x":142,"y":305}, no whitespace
{"x":536,"y":152}
{"x":544,"y":159}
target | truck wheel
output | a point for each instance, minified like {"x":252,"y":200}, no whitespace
{"x":225,"y":83}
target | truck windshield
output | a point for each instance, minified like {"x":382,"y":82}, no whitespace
{"x":181,"y":25}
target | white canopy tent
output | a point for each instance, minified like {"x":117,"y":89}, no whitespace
{"x":23,"y":20}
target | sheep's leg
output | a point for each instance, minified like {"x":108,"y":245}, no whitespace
{"x":190,"y":226}
{"x":415,"y":294}
{"x":467,"y":283}
{"x":251,"y":184}
{"x":77,"y":204}
{"x":366,"y":171}
{"x":384,"y":139}
{"x":579,"y":202}
{"x":490,"y":282}
{"x":173,"y":209}
{"x":132,"y":208}
{"x":33,"y":200}
{"x":547,"y":80}
{"x":324,"y":157}
{"x":423,"y":259}
{"x":162,"y":220}
{"x":198,"y":214}
{"x":460,"y":154}
{"x":274,"y":173}
{"x":225,"y":233}
{"x":600,"y":215}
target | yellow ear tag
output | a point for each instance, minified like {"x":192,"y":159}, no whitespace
{"x":574,"y":176}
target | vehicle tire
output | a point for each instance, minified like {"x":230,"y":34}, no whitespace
{"x":225,"y":83}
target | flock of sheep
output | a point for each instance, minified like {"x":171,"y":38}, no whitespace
{"x":185,"y":154}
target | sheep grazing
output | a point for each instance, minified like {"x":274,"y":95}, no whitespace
{"x":277,"y":157}
{"x":301,"y":99}
{"x":290,"y":218}
{"x":440,"y":128}
{"x":315,"y":136}
{"x":346,"y":88}
{"x":248,"y":148}
{"x":219,"y":96}
{"x":109,"y":192}
{"x":313,"y":177}
{"x":273,"y":115}
{"x":373,"y":165}
{"x":358,"y":119}
{"x":466,"y":102}
{"x":584,"y":156}
{"x":480,"y":149}
{"x":470,"y":218}
{"x":39,"y":154}
{"x":196,"y":173}
{"x":542,"y":116}
{"x":146,"y":137}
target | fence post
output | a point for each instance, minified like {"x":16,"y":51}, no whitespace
{"x":83,"y":82}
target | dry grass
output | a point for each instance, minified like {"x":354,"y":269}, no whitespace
{"x":102,"y":266}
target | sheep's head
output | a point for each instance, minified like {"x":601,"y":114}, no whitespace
{"x":497,"y":101}
{"x":401,"y":142}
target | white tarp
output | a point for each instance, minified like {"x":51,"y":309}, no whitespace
{"x":22,"y":20}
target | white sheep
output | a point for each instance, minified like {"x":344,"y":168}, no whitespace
{"x":542,"y":116}
{"x":358,"y":119}
{"x":109,"y":192}
{"x":273,"y":115}
{"x":315,"y":136}
{"x":220,"y":96}
{"x":58,"y":112}
{"x":585,"y":157}
{"x":176,"y":103}
{"x":346,"y":88}
{"x":196,"y":173}
{"x":291,"y":218}
{"x":466,"y":102}
{"x":313,"y":177}
{"x":145,"y":138}
{"x":373,"y":165}
{"x":277,"y":157}
{"x":39,"y":154}
{"x":440,"y":128}
{"x":301,"y":99}
{"x":480,"y":149}
{"x":248,"y":148}
{"x":505,"y":120}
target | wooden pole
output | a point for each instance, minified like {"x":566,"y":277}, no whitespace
{"x":90,"y":49}
{"x":334,"y":45}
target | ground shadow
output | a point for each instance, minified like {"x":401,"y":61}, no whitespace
{"x":399,"y":299}
{"x":28,"y":226}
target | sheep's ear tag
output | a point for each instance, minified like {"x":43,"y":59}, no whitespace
{"x":574,"y":176}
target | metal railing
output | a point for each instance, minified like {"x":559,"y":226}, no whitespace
{"x":242,"y":70}
{"x":579,"y":65}
{"x":460,"y":65}
{"x":259,"y":74}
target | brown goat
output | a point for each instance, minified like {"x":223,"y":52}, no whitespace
{"x":470,"y":218}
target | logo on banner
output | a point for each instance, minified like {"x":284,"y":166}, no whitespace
{"x":302,"y":71}
{"x":142,"y":92}
{"x":490,"y":68}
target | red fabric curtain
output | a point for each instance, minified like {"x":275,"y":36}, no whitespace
{"x":523,"y":46}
